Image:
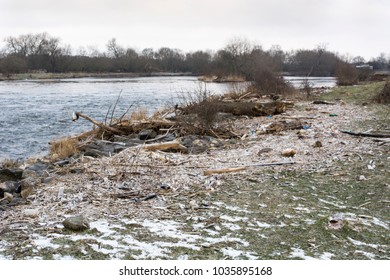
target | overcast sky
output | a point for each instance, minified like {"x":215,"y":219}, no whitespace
{"x":354,"y":27}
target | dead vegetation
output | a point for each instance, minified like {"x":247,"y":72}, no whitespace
{"x":199,"y":113}
{"x":383,"y":97}
{"x":63,"y":148}
{"x":284,"y":182}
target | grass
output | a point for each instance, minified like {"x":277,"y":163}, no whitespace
{"x":63,"y":148}
{"x":358,"y":94}
{"x":140,"y":114}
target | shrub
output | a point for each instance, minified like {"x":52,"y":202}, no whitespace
{"x":383,"y":97}
{"x":268,"y":83}
{"x":346,"y":74}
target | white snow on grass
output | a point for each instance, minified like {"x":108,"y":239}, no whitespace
{"x":299,"y":253}
{"x":237,"y":254}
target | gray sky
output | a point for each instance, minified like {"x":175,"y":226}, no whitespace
{"x":354,"y":27}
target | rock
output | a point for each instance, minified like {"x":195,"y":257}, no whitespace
{"x":96,"y":153}
{"x":38,"y":169}
{"x":289,"y":152}
{"x":317,"y":144}
{"x":62,"y":162}
{"x":11,"y":187}
{"x":362,"y":178}
{"x":10,"y":174}
{"x":31,"y":212}
{"x":196,"y":144}
{"x":30,"y":182}
{"x":165,"y":186}
{"x":335,"y":223}
{"x":8,"y":197}
{"x":27,"y":186}
{"x":76,"y":223}
{"x":264,"y":151}
{"x":147,"y":134}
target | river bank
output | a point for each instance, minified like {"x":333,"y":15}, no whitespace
{"x":328,"y":200}
{"x":78,"y":75}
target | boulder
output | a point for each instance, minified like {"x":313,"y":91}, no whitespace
{"x":147,"y":134}
{"x":76,"y":223}
{"x":10,"y":174}
{"x":38,"y":169}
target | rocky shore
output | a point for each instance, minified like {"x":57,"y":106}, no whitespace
{"x":217,"y":199}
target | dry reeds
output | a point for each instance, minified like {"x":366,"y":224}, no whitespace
{"x":63,"y":148}
{"x":140,"y":114}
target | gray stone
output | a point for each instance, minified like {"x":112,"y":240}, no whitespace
{"x":76,"y":223}
{"x":38,"y":169}
{"x":196,"y":144}
{"x":10,"y":174}
{"x":30,"y":182}
{"x":147,"y":134}
{"x":11,"y":187}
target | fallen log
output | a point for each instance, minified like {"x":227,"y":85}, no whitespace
{"x":362,"y":134}
{"x":241,"y":168}
{"x":239,"y":108}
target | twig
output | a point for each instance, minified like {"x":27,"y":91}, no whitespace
{"x":128,"y":109}
{"x":113,"y":109}
{"x":108,"y":111}
{"x":361,"y":134}
{"x":160,"y":137}
{"x":364,"y":204}
{"x":235,"y":169}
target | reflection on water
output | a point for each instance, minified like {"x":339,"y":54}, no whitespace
{"x":33,"y":112}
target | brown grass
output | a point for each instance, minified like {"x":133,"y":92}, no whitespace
{"x":140,"y":114}
{"x":63,"y":148}
{"x":383,"y":97}
{"x":10,"y":163}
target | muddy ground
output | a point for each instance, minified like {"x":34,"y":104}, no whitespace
{"x":332,"y":203}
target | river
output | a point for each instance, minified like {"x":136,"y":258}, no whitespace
{"x":34,"y":112}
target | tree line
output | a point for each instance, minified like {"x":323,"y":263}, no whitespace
{"x":43,"y":52}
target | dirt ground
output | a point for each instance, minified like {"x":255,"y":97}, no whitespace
{"x":330,"y":200}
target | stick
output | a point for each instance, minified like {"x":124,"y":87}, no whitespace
{"x":99,"y":124}
{"x":235,"y":169}
{"x":224,"y":170}
{"x":361,"y":134}
{"x":166,"y":146}
{"x":113,"y":110}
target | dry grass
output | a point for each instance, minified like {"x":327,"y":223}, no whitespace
{"x":383,"y":97}
{"x":10,"y":163}
{"x":140,"y":114}
{"x":63,"y":148}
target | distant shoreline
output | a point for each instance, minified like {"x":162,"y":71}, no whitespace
{"x":77,"y":75}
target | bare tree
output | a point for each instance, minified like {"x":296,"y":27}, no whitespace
{"x":114,"y":49}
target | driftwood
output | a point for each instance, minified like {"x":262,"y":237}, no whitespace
{"x":99,"y":124}
{"x":238,"y":108}
{"x":171,"y":145}
{"x":323,"y":102}
{"x":241,"y":168}
{"x":362,"y":134}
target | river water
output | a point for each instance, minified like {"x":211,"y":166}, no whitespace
{"x":34,"y":112}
